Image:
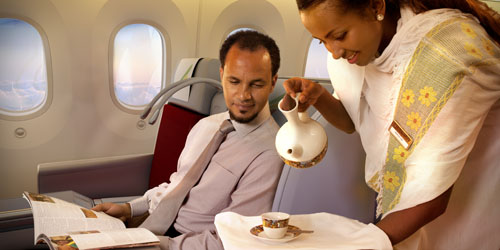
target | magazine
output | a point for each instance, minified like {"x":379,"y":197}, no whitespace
{"x":64,"y":225}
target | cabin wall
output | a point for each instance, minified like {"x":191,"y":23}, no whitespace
{"x":82,"y":121}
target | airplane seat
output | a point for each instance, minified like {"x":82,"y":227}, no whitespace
{"x":179,"y":117}
{"x":274,"y":98}
{"x":165,"y":155}
{"x":97,"y":178}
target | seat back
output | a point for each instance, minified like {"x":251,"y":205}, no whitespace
{"x":176,"y":122}
{"x":180,"y":115}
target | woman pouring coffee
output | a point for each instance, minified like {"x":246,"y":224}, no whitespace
{"x":420,"y":82}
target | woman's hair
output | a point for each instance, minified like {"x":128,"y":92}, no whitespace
{"x":489,"y":19}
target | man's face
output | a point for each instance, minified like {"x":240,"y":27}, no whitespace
{"x":247,"y":82}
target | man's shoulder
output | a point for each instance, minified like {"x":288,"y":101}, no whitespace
{"x":271,"y":126}
{"x":212,"y":120}
{"x":263,"y":138}
{"x":219,"y":117}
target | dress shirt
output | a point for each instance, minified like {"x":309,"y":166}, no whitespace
{"x":242,"y":177}
{"x":458,"y":149}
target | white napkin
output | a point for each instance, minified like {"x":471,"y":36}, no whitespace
{"x":330,"y":232}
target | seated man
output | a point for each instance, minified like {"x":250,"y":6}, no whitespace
{"x":243,"y":174}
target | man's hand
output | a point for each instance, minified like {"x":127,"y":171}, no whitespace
{"x":120,"y":211}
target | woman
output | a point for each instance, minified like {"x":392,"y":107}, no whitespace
{"x":421,"y":84}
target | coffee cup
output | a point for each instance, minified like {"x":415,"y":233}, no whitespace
{"x":275,"y":224}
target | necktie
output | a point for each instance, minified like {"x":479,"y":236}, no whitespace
{"x":165,"y":213}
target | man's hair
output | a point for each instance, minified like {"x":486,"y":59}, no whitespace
{"x":252,"y":40}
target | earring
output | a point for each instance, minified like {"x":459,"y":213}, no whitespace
{"x":380,"y":17}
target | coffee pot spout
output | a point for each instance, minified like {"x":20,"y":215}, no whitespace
{"x":301,"y":142}
{"x":295,"y":151}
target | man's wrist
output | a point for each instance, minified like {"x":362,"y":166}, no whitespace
{"x":128,"y":210}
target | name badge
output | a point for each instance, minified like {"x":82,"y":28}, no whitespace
{"x":401,"y":136}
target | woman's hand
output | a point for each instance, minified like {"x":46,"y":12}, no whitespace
{"x":310,"y":91}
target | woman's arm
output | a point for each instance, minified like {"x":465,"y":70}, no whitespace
{"x":314,"y":94}
{"x":334,"y":112}
{"x":401,"y":224}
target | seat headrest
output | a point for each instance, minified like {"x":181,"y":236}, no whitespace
{"x":208,"y":68}
{"x":218,"y":104}
{"x":200,"y":95}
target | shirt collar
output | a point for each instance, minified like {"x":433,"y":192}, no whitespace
{"x":244,"y":129}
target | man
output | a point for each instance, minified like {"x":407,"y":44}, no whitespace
{"x":243,"y":174}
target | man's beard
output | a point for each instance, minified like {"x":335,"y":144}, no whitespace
{"x":242,"y":120}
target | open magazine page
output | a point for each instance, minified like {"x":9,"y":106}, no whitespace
{"x":95,"y":239}
{"x":130,"y":237}
{"x":54,"y":217}
{"x":64,"y":242}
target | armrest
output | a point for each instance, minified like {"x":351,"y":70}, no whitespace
{"x":99,"y":177}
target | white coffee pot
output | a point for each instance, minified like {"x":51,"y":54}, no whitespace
{"x":301,"y":142}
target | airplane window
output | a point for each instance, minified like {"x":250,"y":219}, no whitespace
{"x":137,"y":65}
{"x":23,"y":72}
{"x":316,"y":60}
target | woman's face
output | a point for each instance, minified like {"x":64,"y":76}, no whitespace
{"x":347,"y":35}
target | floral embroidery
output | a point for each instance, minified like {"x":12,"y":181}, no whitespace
{"x":468,"y":30}
{"x":391,"y":180}
{"x":488,"y":46}
{"x":400,"y":154}
{"x":427,"y":95}
{"x":414,"y":120}
{"x":408,"y":97}
{"x":473,"y":51}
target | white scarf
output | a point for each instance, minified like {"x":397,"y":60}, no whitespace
{"x":349,"y":80}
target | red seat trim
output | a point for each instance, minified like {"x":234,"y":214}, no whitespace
{"x":176,"y":122}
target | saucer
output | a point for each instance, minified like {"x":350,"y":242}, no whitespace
{"x":258,"y":232}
